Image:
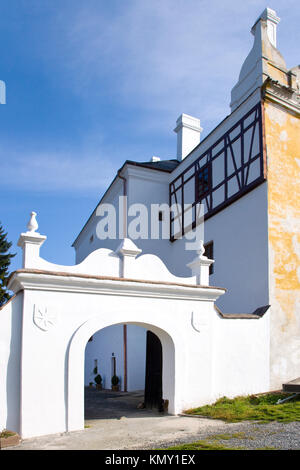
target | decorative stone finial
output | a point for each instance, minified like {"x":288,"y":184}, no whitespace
{"x":272,"y":20}
{"x":200,"y":266}
{"x":263,"y":60}
{"x":30,"y":242}
{"x":127,"y":251}
{"x":201,"y":249}
{"x":32,"y":225}
{"x":128,"y":248}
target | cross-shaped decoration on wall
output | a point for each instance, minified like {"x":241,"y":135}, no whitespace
{"x":42,"y":319}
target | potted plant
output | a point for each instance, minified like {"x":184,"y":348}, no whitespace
{"x":9,"y":438}
{"x":115,"y":383}
{"x":98,"y":381}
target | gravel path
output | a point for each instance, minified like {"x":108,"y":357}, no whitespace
{"x":249,"y":435}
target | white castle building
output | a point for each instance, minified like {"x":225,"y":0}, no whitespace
{"x":144,"y":307}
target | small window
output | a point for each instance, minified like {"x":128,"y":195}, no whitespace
{"x":209,"y":252}
{"x":203,"y":181}
{"x":160,"y":216}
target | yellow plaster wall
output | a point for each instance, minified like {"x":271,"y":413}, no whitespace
{"x":277,"y":74}
{"x":282,"y":132}
{"x":274,"y":63}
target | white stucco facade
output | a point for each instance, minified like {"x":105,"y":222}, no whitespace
{"x":109,"y":343}
{"x":233,"y":230}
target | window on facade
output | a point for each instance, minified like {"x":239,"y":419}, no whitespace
{"x":203,"y":181}
{"x":209,"y":252}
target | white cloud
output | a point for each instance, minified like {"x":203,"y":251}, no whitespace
{"x":166,"y":57}
{"x":57,"y":172}
{"x":161,"y":56}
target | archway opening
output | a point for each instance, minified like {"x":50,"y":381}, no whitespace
{"x":76,"y":361}
{"x":123,"y":373}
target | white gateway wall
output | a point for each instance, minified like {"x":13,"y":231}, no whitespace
{"x":10,"y":360}
{"x":47,"y":327}
{"x":241,"y":356}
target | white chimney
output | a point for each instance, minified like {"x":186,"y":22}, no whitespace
{"x":188,"y":131}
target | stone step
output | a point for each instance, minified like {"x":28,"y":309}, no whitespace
{"x":293,"y":386}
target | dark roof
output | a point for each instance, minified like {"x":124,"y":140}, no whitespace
{"x":162,"y":165}
{"x":258,"y":313}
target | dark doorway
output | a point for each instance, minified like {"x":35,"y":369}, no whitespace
{"x":153,"y":375}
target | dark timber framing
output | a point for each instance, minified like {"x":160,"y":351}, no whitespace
{"x":236,"y":150}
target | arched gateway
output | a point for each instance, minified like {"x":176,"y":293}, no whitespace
{"x":56,"y":309}
{"x":75,"y":412}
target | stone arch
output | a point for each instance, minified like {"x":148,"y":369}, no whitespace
{"x":76,"y":355}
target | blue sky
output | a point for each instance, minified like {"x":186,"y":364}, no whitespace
{"x":93,"y":83}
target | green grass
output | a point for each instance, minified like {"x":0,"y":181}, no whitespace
{"x":207,"y":445}
{"x":213,"y":443}
{"x":5,"y":433}
{"x":202,"y":445}
{"x":261,"y":408}
{"x":228,"y":437}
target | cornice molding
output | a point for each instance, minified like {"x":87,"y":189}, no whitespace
{"x":281,"y":95}
{"x":71,"y":283}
